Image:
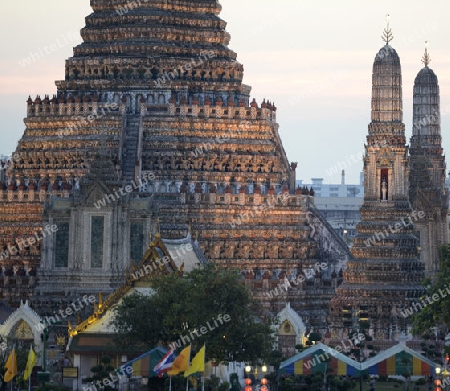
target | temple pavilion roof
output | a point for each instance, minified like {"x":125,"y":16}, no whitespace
{"x":162,"y":257}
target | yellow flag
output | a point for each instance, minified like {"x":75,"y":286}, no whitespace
{"x":197,"y":364}
{"x":10,"y":367}
{"x":181,"y":363}
{"x":30,"y":364}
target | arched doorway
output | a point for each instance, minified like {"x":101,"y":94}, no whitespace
{"x":290,"y":331}
{"x":287,"y":339}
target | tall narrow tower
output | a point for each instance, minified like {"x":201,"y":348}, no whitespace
{"x":427,"y":176}
{"x":386,"y":271}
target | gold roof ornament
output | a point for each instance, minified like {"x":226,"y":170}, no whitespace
{"x":151,"y":257}
{"x":426,"y":59}
{"x":387,"y":33}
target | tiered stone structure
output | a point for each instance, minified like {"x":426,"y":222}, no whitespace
{"x":427,"y":164}
{"x":385,"y":276}
{"x":156,"y":89}
{"x":78,"y":257}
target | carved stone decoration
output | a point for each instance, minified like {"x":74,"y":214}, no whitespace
{"x":23,"y":331}
{"x":23,"y":324}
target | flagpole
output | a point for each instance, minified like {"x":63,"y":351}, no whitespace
{"x":170,"y":383}
{"x":13,"y":367}
{"x":203,"y":373}
{"x":187,"y":383}
{"x":29,"y":377}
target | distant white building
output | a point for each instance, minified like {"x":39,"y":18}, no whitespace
{"x":331,"y":190}
{"x":339,"y":204}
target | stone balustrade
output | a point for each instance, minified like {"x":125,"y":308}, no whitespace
{"x":90,"y":108}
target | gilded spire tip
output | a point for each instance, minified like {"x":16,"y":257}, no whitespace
{"x":387,"y":33}
{"x":426,"y":57}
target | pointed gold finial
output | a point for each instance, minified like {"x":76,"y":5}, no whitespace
{"x":100,"y":300}
{"x":426,"y":57}
{"x":387,"y":33}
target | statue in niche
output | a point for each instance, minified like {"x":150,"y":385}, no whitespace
{"x":255,"y":252}
{"x":209,"y":164}
{"x":229,"y":252}
{"x":285,"y":251}
{"x":197,"y":164}
{"x":35,"y":250}
{"x":384,"y":189}
{"x":222,"y":252}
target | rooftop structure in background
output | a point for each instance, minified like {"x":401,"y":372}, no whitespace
{"x":339,"y":204}
{"x":334,"y":190}
{"x":342,"y":213}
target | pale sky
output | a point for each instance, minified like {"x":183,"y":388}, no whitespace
{"x":313,"y":59}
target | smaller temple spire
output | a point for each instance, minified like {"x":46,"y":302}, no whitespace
{"x":426,"y":57}
{"x":387,"y":33}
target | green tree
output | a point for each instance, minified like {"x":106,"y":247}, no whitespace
{"x":436,"y":313}
{"x":101,"y":374}
{"x":208,"y":306}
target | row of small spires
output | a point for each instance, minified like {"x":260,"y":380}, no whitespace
{"x":219,"y":102}
{"x":55,"y":100}
{"x":87,"y":98}
{"x":256,"y":190}
{"x":9,"y":271}
{"x":63,"y":185}
{"x":281,"y":276}
{"x":33,"y":186}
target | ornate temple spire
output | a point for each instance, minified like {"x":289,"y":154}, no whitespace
{"x":426,"y":57}
{"x":185,"y":43}
{"x":386,"y":272}
{"x":387,"y":104}
{"x":426,"y":107}
{"x":387,"y":33}
{"x":387,"y":127}
{"x":427,"y":166}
